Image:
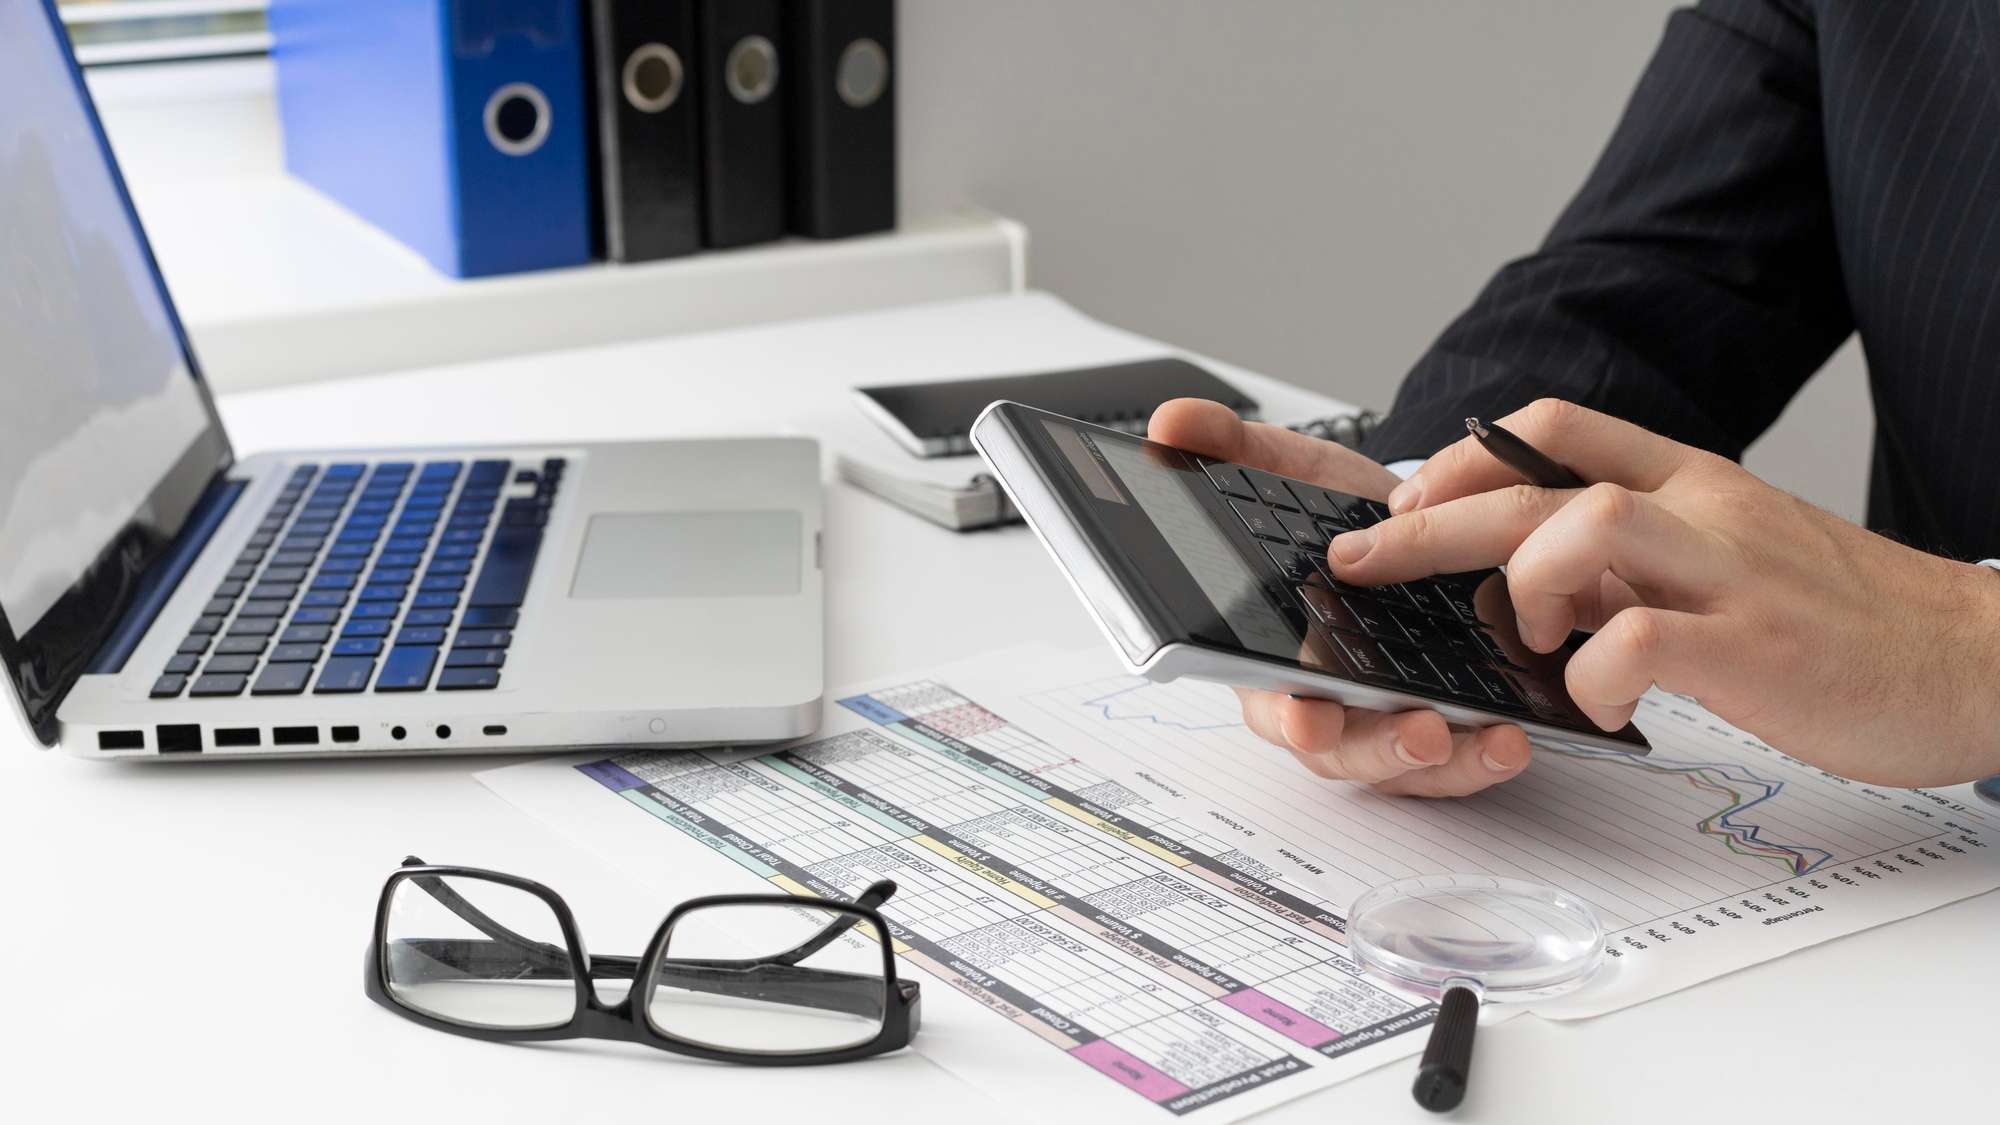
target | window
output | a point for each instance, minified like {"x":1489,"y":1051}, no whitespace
{"x":108,"y":32}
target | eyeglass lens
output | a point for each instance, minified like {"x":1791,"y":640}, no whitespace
{"x":511,"y":971}
{"x":779,"y":978}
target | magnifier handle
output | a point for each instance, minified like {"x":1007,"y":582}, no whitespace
{"x":1447,"y":1062}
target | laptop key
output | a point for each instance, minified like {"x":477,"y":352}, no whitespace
{"x":469,"y":679}
{"x":367,"y":610}
{"x":283,"y":679}
{"x":407,"y":668}
{"x":242,"y":572}
{"x":204,"y":626}
{"x":389,"y":594}
{"x":324,"y":599}
{"x":230,"y":665}
{"x":358,"y":646}
{"x":428,"y":617}
{"x":275,"y":591}
{"x":492,"y":618}
{"x":476,"y":658}
{"x":436,"y":599}
{"x":350,"y":550}
{"x":306,"y":635}
{"x":366,"y":627}
{"x":241,"y":646}
{"x":195,"y":644}
{"x":435,"y":582}
{"x":345,"y":675}
{"x":296,"y":654}
{"x":484,"y":638}
{"x":180,"y":664}
{"x":408,"y":559}
{"x":231,"y":590}
{"x":169,"y":686}
{"x":266,"y":608}
{"x":421,"y":635}
{"x":345,"y":564}
{"x":218,"y":685}
{"x":391,"y":576}
{"x":254,"y":627}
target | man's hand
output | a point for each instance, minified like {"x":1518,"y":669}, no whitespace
{"x":1844,"y":649}
{"x":1410,"y":752}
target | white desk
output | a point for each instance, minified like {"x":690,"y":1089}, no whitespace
{"x":185,"y":943}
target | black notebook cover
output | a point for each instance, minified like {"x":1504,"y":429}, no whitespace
{"x":935,"y":419}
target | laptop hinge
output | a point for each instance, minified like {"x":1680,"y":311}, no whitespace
{"x":161,"y":579}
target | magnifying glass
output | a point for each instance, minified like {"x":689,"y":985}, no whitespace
{"x":1464,"y":939}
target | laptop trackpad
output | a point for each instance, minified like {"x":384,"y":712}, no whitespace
{"x":688,"y":555}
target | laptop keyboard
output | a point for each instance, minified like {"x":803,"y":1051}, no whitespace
{"x":1424,"y":637}
{"x":390,"y":577}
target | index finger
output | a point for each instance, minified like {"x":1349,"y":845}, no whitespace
{"x":1213,"y":430}
{"x":1595,"y":446}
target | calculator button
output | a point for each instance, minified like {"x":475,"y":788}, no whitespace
{"x":1315,"y":502}
{"x":1328,"y":609}
{"x":1373,"y":618}
{"x":1422,"y":631}
{"x":1458,"y":678}
{"x":1425,"y":596}
{"x":1228,"y":479}
{"x":1412,"y":667}
{"x":1271,"y":490}
{"x":1496,"y":685}
{"x":1296,"y":566}
{"x":1262,"y":522}
{"x":1364,"y":655}
{"x":1304,"y":531}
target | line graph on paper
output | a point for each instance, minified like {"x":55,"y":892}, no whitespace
{"x":1641,"y":837}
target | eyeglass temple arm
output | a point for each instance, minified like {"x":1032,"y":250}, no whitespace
{"x":617,"y":967}
{"x":546,"y":955}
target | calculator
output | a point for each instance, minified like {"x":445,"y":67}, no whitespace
{"x":1208,"y":570}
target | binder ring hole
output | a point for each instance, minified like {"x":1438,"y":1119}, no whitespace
{"x":517,"y":119}
{"x":863,"y":73}
{"x":653,"y":78}
{"x":751,"y":70}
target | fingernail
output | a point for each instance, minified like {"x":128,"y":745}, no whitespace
{"x":1494,"y":764}
{"x":1405,"y":496}
{"x":1351,"y":547}
{"x":1409,"y":759}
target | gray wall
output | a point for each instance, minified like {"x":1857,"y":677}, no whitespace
{"x":1311,"y":188}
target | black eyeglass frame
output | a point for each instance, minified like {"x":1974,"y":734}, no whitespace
{"x":626,"y":1020}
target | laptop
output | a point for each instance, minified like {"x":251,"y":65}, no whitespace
{"x":161,"y":598}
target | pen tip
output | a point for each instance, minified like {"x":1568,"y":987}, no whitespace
{"x":1475,"y":427}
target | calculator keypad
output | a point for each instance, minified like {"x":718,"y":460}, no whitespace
{"x":1426,"y":637}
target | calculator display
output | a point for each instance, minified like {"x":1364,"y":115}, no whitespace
{"x":1190,"y":532}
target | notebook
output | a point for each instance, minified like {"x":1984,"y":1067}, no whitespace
{"x":935,"y":419}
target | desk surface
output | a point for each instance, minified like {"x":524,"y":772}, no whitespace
{"x":186,"y":943}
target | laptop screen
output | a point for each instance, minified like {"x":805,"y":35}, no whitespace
{"x":106,"y":438}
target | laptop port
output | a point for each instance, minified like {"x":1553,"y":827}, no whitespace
{"x":121,"y":740}
{"x":295,"y":736}
{"x":347,"y":734}
{"x":494,"y":731}
{"x":443,"y":731}
{"x":237,"y":736}
{"x":178,"y":738}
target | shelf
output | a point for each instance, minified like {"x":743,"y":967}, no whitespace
{"x":278,"y":284}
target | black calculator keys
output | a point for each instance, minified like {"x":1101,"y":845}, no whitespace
{"x":1228,"y":479}
{"x":1307,"y":534}
{"x":1271,"y":490}
{"x":1262,"y":522}
{"x":1294,"y":564}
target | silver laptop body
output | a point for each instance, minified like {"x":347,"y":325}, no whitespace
{"x":672,"y":595}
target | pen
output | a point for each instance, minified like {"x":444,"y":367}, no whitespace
{"x":1521,"y":457}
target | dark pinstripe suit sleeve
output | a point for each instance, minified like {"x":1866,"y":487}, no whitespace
{"x":1693,"y":284}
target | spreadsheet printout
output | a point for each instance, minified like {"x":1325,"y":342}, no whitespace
{"x":1132,"y":899}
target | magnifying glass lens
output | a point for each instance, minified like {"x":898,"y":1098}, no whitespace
{"x":1464,"y":938}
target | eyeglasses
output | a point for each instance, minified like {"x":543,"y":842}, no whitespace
{"x":764,"y":979}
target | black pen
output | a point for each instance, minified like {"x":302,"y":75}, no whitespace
{"x":1521,"y":457}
